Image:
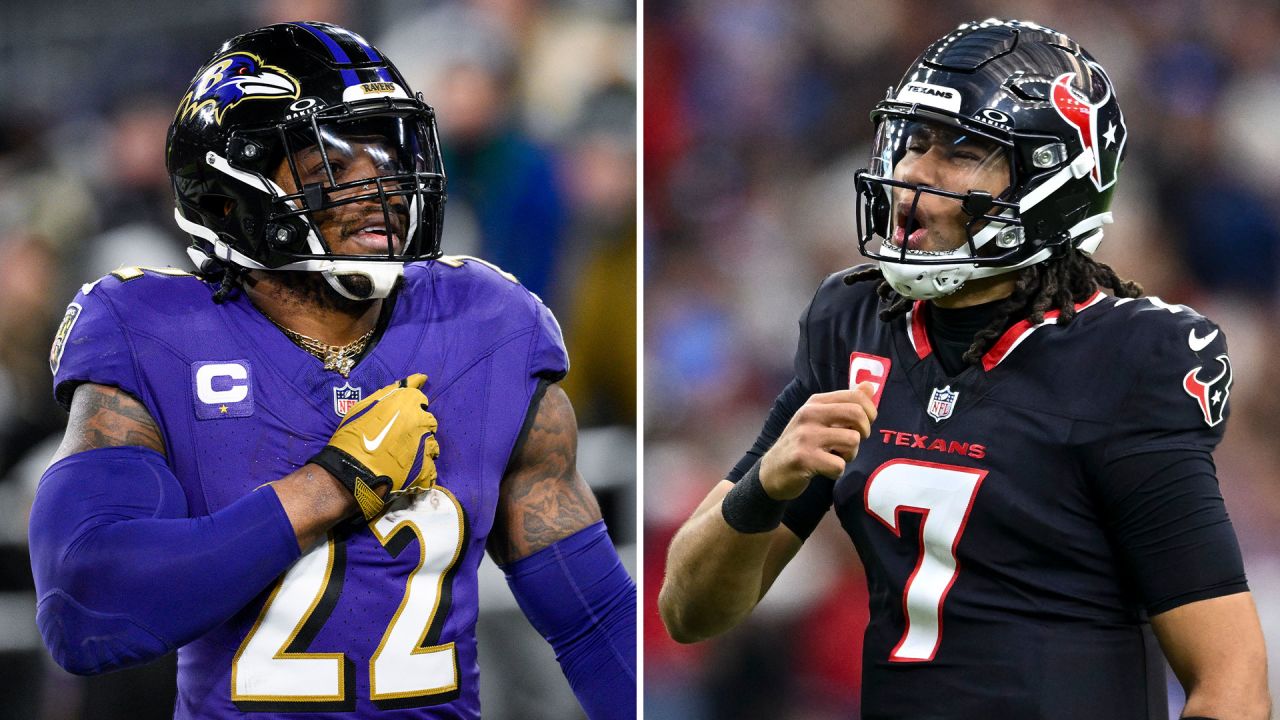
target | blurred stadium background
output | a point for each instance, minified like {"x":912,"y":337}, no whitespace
{"x":755,"y":120}
{"x":536,"y":105}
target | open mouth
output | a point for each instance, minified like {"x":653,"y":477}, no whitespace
{"x":908,"y":231}
{"x":371,"y":237}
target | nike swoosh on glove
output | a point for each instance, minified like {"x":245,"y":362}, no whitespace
{"x":386,"y":441}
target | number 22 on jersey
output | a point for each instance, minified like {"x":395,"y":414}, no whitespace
{"x":943,"y":495}
{"x":272,"y":671}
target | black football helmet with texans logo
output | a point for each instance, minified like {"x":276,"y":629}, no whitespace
{"x":296,"y":106}
{"x":1048,"y":112}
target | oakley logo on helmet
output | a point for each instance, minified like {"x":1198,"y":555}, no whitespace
{"x":232,"y":79}
{"x":932,"y":95}
{"x":995,"y":116}
{"x":1082,"y":114}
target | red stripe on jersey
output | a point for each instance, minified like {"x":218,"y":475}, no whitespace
{"x":919,"y":338}
{"x":1019,"y":332}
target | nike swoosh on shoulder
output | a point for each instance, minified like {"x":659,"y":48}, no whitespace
{"x":1197,"y":344}
{"x":371,"y":445}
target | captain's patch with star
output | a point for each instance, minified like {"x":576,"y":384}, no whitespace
{"x":222,"y":389}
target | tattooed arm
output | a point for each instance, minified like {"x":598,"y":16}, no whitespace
{"x":561,"y":567}
{"x":543,"y":497}
{"x":104,"y":416}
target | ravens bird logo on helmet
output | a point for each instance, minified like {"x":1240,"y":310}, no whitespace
{"x":231,"y":79}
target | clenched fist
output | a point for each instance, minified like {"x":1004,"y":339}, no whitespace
{"x":379,"y":443}
{"x":821,"y":437}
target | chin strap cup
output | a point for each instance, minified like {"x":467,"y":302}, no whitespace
{"x":381,"y":276}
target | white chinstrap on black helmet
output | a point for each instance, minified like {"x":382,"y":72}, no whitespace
{"x":1042,"y":107}
{"x":316,"y":107}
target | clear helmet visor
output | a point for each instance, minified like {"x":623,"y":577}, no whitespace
{"x":935,"y":192}
{"x":372,"y":187}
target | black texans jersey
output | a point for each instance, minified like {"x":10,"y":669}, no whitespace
{"x":984,"y":512}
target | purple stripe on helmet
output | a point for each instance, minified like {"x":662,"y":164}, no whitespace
{"x":370,"y":53}
{"x":348,"y":76}
{"x":373,"y":55}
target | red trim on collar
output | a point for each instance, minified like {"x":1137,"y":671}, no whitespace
{"x":1020,"y":330}
{"x":919,"y":338}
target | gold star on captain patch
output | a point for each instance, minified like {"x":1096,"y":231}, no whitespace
{"x":222,"y":409}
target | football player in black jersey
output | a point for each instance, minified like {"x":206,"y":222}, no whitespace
{"x":1022,"y":460}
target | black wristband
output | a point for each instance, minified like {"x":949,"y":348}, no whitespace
{"x":748,"y":508}
{"x":354,"y":476}
{"x":342,"y":466}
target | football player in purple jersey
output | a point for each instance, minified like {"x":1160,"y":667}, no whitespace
{"x":1023,"y":461}
{"x":288,"y":465}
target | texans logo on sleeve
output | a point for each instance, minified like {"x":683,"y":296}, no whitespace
{"x":1211,"y":394}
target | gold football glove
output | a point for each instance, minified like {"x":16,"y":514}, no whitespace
{"x":379,"y":444}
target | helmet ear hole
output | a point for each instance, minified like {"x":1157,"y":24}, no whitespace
{"x":217,"y":205}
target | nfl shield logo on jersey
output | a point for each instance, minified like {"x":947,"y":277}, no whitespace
{"x":942,"y":403}
{"x":344,"y":397}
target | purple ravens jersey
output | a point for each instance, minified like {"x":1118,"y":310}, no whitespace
{"x":379,"y":619}
{"x":996,"y":588}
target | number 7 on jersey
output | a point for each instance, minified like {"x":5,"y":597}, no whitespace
{"x":943,"y":495}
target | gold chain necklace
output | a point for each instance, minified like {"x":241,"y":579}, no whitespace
{"x":338,"y":358}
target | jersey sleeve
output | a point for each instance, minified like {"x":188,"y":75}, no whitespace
{"x":1171,"y":528}
{"x":548,"y":358}
{"x":1178,"y":399}
{"x":476,"y":288}
{"x":92,"y":346}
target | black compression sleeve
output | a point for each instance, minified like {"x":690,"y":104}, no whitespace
{"x":804,"y":512}
{"x":1171,"y":526}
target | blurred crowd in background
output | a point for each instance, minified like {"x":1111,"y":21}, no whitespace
{"x":755,"y":121}
{"x":536,"y":109}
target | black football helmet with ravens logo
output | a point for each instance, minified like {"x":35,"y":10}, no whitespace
{"x":1045,"y":110}
{"x":302,"y":101}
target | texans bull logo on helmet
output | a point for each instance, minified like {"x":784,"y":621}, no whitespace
{"x":232,"y":79}
{"x":1083,"y":115}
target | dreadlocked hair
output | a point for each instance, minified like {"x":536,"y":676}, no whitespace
{"x":1056,"y":284}
{"x":230,"y":279}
